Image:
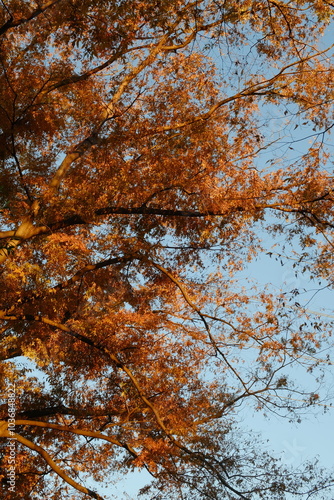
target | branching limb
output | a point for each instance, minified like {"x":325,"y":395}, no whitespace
{"x":25,"y":231}
{"x":139,"y":390}
{"x":6,"y":234}
{"x":246,"y":92}
{"x":80,"y":432}
{"x":12,"y":23}
{"x":202,"y":316}
{"x":106,"y":115}
{"x":4,"y":432}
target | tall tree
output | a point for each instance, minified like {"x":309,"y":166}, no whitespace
{"x":145,"y":161}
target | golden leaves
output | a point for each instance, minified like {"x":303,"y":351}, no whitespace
{"x":141,"y":158}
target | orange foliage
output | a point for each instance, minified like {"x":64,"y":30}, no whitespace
{"x":141,"y":166}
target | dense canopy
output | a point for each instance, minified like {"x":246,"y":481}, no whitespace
{"x":150,"y":151}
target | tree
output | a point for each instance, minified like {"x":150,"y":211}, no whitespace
{"x":141,"y":171}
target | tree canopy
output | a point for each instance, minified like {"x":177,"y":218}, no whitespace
{"x":149,"y":151}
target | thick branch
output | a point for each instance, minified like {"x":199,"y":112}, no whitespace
{"x":11,"y":23}
{"x":25,"y":231}
{"x":154,"y":211}
{"x":79,"y":413}
{"x":41,"y":451}
{"x":6,"y":234}
{"x":80,"y":432}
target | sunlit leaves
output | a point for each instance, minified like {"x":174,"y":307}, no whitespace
{"x":148,"y":151}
